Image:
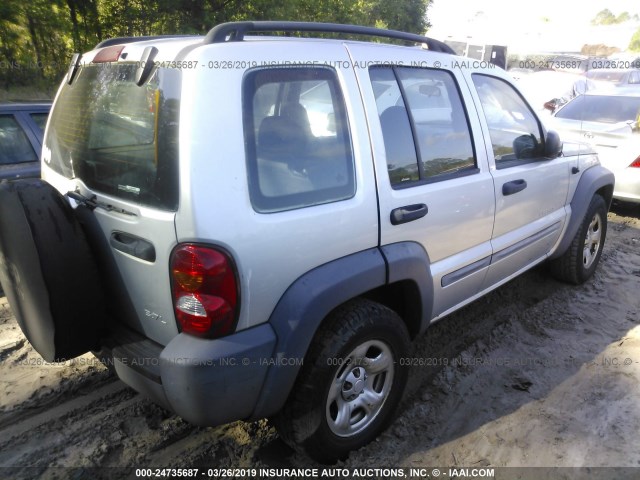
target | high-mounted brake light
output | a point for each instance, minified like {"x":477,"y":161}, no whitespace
{"x":108,"y":54}
{"x":635,"y":163}
{"x":205,"y":291}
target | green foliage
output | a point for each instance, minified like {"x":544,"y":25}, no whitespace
{"x":623,"y":17}
{"x":634,"y":45}
{"x":32,"y":44}
{"x":38,"y":37}
{"x":606,"y":17}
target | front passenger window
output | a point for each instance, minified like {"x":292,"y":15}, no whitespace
{"x":515,"y":131}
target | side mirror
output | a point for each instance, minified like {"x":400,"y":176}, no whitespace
{"x":552,"y":145}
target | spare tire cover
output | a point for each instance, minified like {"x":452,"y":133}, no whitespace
{"x":48,"y":271}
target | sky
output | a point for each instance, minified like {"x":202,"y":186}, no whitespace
{"x":541,"y":25}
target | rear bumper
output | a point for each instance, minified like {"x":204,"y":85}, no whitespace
{"x":207,"y":382}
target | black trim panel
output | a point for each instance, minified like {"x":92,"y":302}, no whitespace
{"x":133,"y":350}
{"x":465,"y":271}
{"x":505,"y":252}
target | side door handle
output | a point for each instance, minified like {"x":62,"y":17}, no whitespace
{"x":408,"y":213}
{"x":515,"y":186}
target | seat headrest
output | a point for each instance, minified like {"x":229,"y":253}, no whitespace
{"x":280,"y":137}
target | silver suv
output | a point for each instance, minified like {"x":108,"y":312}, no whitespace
{"x":249,"y":227}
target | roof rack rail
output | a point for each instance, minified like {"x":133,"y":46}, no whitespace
{"x":235,"y":32}
{"x":122,"y":40}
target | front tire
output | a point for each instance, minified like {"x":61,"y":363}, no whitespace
{"x":580,"y":260}
{"x":351,"y":383}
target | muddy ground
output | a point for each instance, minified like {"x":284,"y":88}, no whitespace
{"x":538,"y":373}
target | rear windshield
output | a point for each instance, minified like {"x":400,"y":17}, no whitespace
{"x":117,"y":137}
{"x":602,"y":108}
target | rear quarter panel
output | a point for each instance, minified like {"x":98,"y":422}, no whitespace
{"x":271,"y":250}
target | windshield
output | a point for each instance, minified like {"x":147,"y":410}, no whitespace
{"x":119,"y":138}
{"x":602,"y":109}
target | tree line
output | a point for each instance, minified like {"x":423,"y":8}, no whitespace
{"x":38,"y":37}
{"x":607,"y":17}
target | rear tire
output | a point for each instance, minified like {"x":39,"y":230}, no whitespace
{"x":350,"y":384}
{"x":581,"y":259}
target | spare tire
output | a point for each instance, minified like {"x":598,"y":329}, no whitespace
{"x":48,"y":272}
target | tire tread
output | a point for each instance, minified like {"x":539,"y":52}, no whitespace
{"x":568,"y":267}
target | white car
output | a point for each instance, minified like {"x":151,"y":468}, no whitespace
{"x":609,"y":121}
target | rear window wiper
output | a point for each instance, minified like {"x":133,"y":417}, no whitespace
{"x":92,"y":203}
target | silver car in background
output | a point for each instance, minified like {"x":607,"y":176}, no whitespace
{"x":610,"y":121}
{"x":618,"y":77}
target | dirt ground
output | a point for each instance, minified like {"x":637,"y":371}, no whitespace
{"x":538,"y":373}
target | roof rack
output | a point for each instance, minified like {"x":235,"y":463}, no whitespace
{"x":235,"y":32}
{"x":122,"y":40}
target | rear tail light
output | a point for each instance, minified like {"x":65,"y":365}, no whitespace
{"x":636,"y":163}
{"x":205,"y":291}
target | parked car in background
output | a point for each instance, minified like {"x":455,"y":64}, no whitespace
{"x":609,"y":121}
{"x":620,"y":77}
{"x":547,"y":90}
{"x":21,"y":130}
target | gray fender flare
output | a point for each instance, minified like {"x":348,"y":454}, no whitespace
{"x":590,"y":182}
{"x":410,"y":261}
{"x":306,"y":303}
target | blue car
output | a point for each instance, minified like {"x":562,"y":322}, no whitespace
{"x":21,"y":130}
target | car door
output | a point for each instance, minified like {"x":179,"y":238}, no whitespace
{"x":434,"y":185}
{"x":530,"y":190}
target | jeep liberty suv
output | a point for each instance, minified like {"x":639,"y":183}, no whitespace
{"x":257,"y":226}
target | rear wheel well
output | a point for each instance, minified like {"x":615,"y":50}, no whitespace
{"x":402,"y":297}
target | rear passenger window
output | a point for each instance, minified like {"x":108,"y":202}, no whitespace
{"x":424,"y":125}
{"x":297,"y":138}
{"x":14,"y":144}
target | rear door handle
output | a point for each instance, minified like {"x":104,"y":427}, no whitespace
{"x":515,"y":186}
{"x":408,"y":213}
{"x":132,"y":245}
